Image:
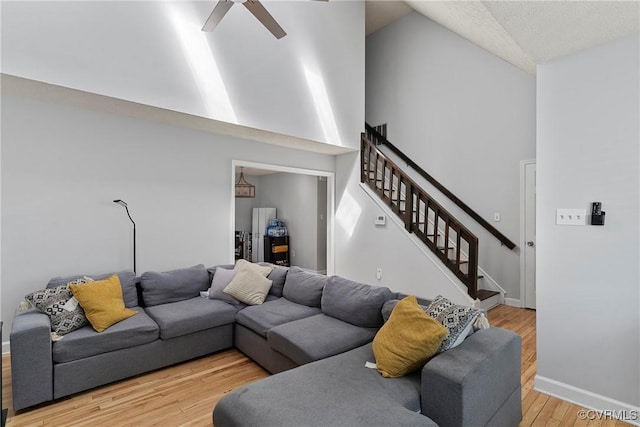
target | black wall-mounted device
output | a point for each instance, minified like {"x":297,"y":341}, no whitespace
{"x":597,"y":215}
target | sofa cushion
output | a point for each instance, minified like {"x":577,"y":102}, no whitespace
{"x":127,"y":282}
{"x":317,"y":337}
{"x":84,"y":342}
{"x":249,"y":287}
{"x":174,"y":285}
{"x":337,"y":391}
{"x":261,"y":318}
{"x":277,"y":276}
{"x":102,"y":302}
{"x":303,"y":287}
{"x":407,"y":340}
{"x":221,"y":279}
{"x":353,"y":302}
{"x":192,"y":315}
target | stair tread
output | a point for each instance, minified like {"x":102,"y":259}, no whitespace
{"x":484,"y":294}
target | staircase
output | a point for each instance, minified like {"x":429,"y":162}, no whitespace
{"x":443,"y":235}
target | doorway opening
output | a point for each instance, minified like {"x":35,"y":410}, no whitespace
{"x":304,"y":204}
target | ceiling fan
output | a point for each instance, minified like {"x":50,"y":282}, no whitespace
{"x":254,"y":6}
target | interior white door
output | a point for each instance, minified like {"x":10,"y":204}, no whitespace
{"x":530,"y":236}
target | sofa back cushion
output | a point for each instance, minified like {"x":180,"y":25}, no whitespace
{"x":303,"y":287}
{"x":175,"y":285}
{"x":356,"y":303}
{"x":277,"y":276}
{"x":127,"y":282}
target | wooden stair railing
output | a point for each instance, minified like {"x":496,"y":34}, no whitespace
{"x":445,"y":236}
{"x":374,"y":135}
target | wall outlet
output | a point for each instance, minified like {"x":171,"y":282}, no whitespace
{"x":380,"y":219}
{"x":379,"y":274}
{"x":571,"y":216}
{"x":497,"y":217}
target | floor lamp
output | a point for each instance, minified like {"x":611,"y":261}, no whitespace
{"x":124,"y":205}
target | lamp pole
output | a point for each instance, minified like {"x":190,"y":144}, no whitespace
{"x":124,"y":205}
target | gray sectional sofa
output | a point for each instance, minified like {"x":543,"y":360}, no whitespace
{"x":316,"y":328}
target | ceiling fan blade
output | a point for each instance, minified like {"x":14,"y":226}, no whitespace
{"x":258,"y":10}
{"x":218,"y":13}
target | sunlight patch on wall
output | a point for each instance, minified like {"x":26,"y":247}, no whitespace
{"x":323,"y":106}
{"x":197,"y":52}
{"x":348,"y":213}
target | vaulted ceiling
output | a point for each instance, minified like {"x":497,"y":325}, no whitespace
{"x":524,"y":33}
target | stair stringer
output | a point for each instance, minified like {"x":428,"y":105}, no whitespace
{"x":456,"y":284}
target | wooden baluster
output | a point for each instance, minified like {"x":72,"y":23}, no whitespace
{"x":458,"y":250}
{"x":436,"y":232}
{"x":446,"y":239}
{"x":384,"y":179}
{"x":375,"y":174}
{"x":472,"y":285}
{"x":408,"y":208}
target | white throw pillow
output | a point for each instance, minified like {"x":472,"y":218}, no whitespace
{"x":263,"y":270}
{"x":249,"y":287}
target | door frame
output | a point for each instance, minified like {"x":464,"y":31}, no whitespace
{"x":523,"y":243}
{"x":288,"y":169}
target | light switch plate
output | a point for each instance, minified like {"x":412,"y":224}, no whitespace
{"x":571,"y":216}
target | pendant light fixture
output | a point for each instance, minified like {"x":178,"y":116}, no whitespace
{"x":243,"y":188}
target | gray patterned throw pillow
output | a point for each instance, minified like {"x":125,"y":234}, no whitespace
{"x":458,"y":320}
{"x":63,"y":310}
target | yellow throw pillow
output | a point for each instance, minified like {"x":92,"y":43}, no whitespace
{"x":408,"y":339}
{"x":102,"y":302}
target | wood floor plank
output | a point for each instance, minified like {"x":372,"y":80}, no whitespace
{"x":185,"y":394}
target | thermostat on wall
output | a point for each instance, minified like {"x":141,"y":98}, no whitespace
{"x":380,"y":220}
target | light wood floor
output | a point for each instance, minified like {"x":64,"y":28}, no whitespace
{"x":186,"y":394}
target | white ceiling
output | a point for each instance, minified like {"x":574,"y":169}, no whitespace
{"x":524,"y":33}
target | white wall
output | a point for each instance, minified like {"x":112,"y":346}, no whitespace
{"x":588,"y":298}
{"x":309,"y":84}
{"x":465,"y":116}
{"x":62,"y":167}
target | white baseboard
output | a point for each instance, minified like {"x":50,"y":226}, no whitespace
{"x":603,"y":407}
{"x":5,"y":347}
{"x":512,"y":302}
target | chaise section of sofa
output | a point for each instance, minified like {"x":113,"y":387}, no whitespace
{"x":473,"y":385}
{"x":337,"y":391}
